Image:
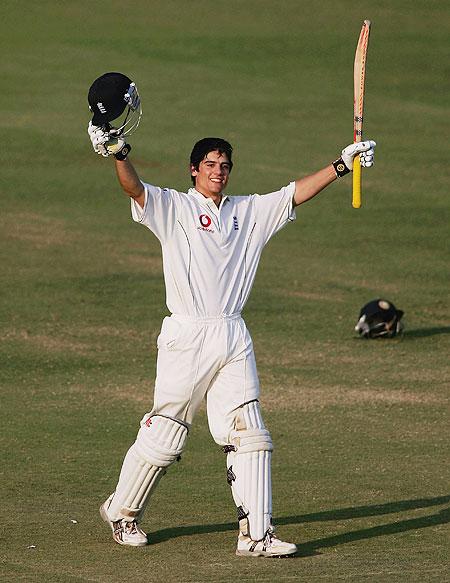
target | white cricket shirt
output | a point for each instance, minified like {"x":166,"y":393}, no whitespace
{"x":210,"y":253}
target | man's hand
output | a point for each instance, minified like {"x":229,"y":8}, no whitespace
{"x":99,"y":137}
{"x":105,"y":142}
{"x":366,"y":151}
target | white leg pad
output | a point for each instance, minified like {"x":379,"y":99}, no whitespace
{"x":249,"y":471}
{"x":160,"y":441}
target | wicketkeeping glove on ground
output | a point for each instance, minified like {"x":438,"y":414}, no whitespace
{"x":366,"y":151}
{"x":105,"y":142}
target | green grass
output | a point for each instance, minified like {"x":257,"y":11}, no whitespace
{"x":360,"y":428}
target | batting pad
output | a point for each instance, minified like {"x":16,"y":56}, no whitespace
{"x":160,"y":441}
{"x":249,"y":472}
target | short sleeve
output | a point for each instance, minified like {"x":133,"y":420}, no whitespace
{"x":274,"y":210}
{"x":158,"y":213}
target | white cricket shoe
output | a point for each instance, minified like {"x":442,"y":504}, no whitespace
{"x":269,"y":546}
{"x":124,"y":533}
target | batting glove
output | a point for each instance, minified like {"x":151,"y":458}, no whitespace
{"x":105,"y":142}
{"x":366,"y":151}
{"x":99,"y":137}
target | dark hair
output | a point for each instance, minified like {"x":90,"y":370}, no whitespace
{"x":206,"y":145}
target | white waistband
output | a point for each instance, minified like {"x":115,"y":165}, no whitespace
{"x":213,"y":319}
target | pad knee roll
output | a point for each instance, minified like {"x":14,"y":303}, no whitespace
{"x":160,"y":441}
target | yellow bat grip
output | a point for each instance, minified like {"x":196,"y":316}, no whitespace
{"x":356,"y":198}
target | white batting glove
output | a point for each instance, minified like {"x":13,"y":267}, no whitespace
{"x":366,"y":151}
{"x":98,"y":137}
{"x":105,"y":142}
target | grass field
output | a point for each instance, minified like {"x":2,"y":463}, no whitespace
{"x":361,"y":472}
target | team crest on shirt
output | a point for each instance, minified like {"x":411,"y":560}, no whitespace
{"x":205,"y":223}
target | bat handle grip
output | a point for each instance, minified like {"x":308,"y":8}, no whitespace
{"x":356,"y":194}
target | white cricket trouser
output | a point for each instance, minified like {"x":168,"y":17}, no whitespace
{"x":205,"y":357}
{"x":198,"y":358}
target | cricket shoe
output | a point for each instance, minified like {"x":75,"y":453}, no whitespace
{"x":124,"y":533}
{"x":269,"y":546}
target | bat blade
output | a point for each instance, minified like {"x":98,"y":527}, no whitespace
{"x":359,"y":77}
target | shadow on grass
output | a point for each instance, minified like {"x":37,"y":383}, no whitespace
{"x":425,"y":332}
{"x":312,"y":547}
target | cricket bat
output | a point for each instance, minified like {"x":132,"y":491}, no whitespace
{"x":359,"y":75}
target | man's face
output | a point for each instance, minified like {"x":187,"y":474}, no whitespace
{"x":212,"y":175}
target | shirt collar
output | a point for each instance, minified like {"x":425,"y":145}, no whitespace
{"x":205,"y":200}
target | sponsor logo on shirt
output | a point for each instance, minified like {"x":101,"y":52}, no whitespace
{"x":235,"y":224}
{"x":205,"y":223}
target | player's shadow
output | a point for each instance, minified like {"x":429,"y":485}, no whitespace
{"x":309,"y":548}
{"x":425,"y":332}
{"x":312,"y":547}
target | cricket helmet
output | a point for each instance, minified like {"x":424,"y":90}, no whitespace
{"x":109,"y":97}
{"x":379,"y":319}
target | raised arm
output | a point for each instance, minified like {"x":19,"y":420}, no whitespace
{"x":307,"y":187}
{"x":107,"y":145}
{"x":129,"y":181}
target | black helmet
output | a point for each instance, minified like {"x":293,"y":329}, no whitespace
{"x":379,"y":318}
{"x":108,"y":97}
